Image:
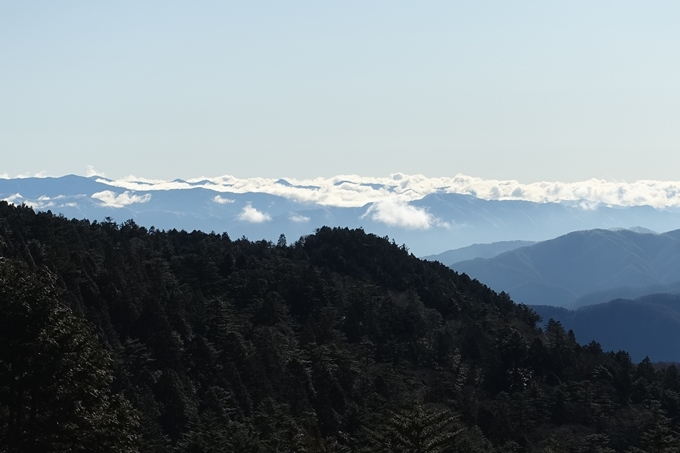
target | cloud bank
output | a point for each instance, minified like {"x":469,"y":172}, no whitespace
{"x":357,"y":191}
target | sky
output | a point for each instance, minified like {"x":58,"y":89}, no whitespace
{"x":523,"y":90}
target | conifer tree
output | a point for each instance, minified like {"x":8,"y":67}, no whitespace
{"x":419,"y":429}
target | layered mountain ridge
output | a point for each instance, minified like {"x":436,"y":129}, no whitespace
{"x":583,"y":267}
{"x":412,"y":211}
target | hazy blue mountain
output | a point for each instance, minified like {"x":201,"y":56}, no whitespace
{"x":477,"y":251}
{"x":472,"y":220}
{"x":560,"y":271}
{"x":622,"y":292}
{"x":646,"y":326}
{"x":437,"y":222}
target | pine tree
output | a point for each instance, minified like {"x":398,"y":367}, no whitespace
{"x":659,"y":437}
{"x":419,"y":429}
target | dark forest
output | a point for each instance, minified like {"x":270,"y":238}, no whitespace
{"x":119,"y":338}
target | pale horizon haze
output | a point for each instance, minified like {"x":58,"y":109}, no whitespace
{"x":528,"y":90}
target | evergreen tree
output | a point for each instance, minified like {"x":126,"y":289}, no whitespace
{"x":419,"y":429}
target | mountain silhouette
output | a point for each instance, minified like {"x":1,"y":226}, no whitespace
{"x":477,"y":251}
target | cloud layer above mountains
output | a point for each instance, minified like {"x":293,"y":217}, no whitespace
{"x":398,"y":188}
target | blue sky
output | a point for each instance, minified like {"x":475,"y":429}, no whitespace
{"x":510,"y":90}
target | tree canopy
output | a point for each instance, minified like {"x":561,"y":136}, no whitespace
{"x":121,"y":338}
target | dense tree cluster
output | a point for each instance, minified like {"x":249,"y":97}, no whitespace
{"x":121,"y":338}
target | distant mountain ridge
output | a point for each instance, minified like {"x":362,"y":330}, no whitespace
{"x":477,"y":251}
{"x":582,"y":264}
{"x":646,"y":326}
{"x":622,"y":292}
{"x":437,"y":221}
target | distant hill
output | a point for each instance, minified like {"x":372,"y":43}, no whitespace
{"x":646,"y":326}
{"x":560,"y":271}
{"x":477,"y":251}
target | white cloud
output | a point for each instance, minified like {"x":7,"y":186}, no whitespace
{"x":400,"y":214}
{"x":41,"y":174}
{"x":4,"y":176}
{"x":221,"y":200}
{"x":252,"y":215}
{"x":41,"y":203}
{"x":298,"y":218}
{"x":110,"y":199}
{"x":13,"y":199}
{"x":90,"y":171}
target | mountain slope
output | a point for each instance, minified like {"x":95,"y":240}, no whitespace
{"x":327,"y":344}
{"x":558,"y":271}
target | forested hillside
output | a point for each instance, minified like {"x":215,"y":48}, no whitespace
{"x":115,"y":337}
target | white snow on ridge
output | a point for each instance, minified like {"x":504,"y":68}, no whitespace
{"x":355,"y":191}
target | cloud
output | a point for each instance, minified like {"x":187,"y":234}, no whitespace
{"x":298,"y":218}
{"x":220,"y":200}
{"x":110,"y":199}
{"x":90,"y":171}
{"x":12,"y":199}
{"x":252,"y":215}
{"x":41,"y":174}
{"x":400,"y":214}
{"x":41,"y":203}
